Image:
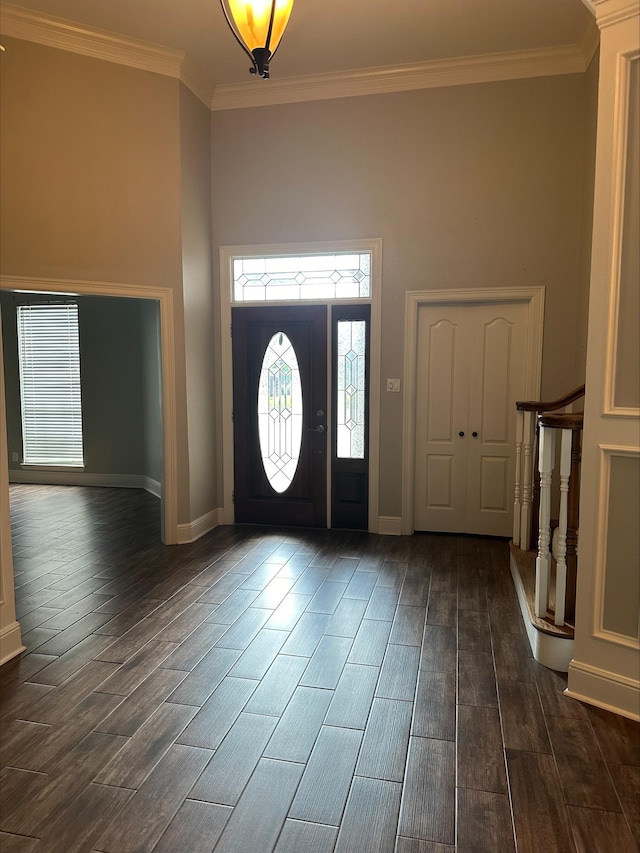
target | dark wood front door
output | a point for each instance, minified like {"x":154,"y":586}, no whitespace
{"x":259,"y":497}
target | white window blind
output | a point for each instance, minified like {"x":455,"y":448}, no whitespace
{"x":49,"y":360}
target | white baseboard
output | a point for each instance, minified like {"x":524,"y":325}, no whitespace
{"x":193,"y":530}
{"x":82,"y":478}
{"x":10,"y":642}
{"x":390,"y":525}
{"x":550,"y":651}
{"x":152,"y":486}
{"x":604,"y":689}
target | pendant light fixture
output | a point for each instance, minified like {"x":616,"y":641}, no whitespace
{"x":258,"y":26}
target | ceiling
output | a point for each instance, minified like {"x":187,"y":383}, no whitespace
{"x":335,"y":35}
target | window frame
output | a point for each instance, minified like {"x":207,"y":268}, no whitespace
{"x":31,"y":458}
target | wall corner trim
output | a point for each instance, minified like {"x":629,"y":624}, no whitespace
{"x":10,"y":642}
{"x":190,"y":531}
{"x":458,"y":71}
{"x":389,"y":525}
{"x":604,"y":689}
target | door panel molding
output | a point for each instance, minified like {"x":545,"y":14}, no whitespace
{"x":227,"y":255}
{"x":533,"y":297}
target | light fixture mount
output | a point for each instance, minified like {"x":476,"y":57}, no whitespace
{"x":258,"y":26}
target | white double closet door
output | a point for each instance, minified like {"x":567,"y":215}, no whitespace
{"x":471,"y":369}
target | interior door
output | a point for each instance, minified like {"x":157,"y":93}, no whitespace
{"x":279,"y":415}
{"x":471,"y":370}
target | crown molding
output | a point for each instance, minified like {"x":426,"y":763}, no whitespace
{"x":197,"y":82}
{"x":54,"y":32}
{"x":590,"y":41}
{"x":485,"y":68}
{"x":24,"y":24}
{"x":98,"y":44}
{"x":609,"y":12}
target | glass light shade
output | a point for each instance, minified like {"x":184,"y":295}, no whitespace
{"x":258,"y":25}
{"x":252,"y":18}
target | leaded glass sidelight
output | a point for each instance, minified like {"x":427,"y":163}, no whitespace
{"x":280,"y":412}
{"x":351,"y":388}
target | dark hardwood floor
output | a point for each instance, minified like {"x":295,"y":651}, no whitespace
{"x":291,"y":691}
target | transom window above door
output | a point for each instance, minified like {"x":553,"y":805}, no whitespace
{"x":302,"y":278}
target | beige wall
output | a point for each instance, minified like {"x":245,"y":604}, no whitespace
{"x":199,"y":309}
{"x":106,"y":177}
{"x":470,"y":186}
{"x":112,"y":381}
{"x":91,"y":183}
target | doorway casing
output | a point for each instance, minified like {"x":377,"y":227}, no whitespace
{"x":164,"y":296}
{"x":227,"y":256}
{"x":533,"y":297}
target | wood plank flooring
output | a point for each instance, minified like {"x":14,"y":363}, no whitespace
{"x":285,"y":690}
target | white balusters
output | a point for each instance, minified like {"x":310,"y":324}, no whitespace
{"x":517,"y":506}
{"x":552,"y":422}
{"x":527,"y":480}
{"x":546,"y":458}
{"x":561,"y":559}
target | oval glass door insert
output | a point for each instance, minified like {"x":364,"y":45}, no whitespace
{"x":280,"y":412}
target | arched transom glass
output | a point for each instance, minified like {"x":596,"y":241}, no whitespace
{"x":280,"y":412}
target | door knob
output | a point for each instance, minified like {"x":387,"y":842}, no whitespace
{"x":317,"y":429}
{"x":474,"y":434}
{"x":461,"y":434}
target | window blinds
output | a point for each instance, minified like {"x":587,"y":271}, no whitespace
{"x":49,"y":360}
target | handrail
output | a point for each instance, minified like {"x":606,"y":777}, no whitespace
{"x":540,"y":406}
{"x":565,"y":420}
{"x":526,"y":491}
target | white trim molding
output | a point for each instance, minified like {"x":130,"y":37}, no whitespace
{"x":10,"y":642}
{"x":604,"y":689}
{"x":619,"y":183}
{"x":390,"y":525}
{"x":414,"y":299}
{"x":48,"y":30}
{"x":51,"y":477}
{"x":10,"y":633}
{"x":37,"y":27}
{"x":606,"y":453}
{"x":193,"y":530}
{"x":164,"y":296}
{"x":609,"y":12}
{"x":437,"y":73}
{"x":550,"y":650}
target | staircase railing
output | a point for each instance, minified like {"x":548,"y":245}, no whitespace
{"x":526,"y":452}
{"x":569,"y":428}
{"x":538,"y":423}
